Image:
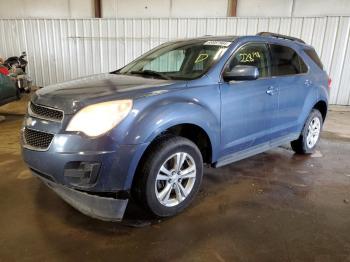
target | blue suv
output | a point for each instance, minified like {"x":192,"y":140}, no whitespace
{"x":145,"y":130}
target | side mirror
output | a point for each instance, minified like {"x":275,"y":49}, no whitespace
{"x":242,"y":72}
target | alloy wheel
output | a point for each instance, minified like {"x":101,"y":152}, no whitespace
{"x":175,"y":179}
{"x":313,"y":133}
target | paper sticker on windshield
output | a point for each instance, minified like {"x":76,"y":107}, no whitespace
{"x":219,"y":43}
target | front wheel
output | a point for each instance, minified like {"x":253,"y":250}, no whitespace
{"x":169,"y":176}
{"x":310,"y":134}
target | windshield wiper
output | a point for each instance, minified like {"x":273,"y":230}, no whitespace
{"x":150,"y":73}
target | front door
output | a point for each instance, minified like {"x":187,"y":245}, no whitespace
{"x":248,"y":107}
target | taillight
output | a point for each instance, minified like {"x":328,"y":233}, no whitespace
{"x":329,"y":82}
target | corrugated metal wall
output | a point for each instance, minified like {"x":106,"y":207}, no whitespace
{"x":64,"y":49}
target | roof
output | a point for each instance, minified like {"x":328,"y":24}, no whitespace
{"x":225,"y":38}
{"x":231,"y":38}
{"x":284,"y":37}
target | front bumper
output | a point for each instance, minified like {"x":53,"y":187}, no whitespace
{"x":114,"y":168}
{"x":84,"y":172}
{"x":68,"y":154}
{"x":103,"y":208}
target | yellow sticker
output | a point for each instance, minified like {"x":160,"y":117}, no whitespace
{"x":201,"y":57}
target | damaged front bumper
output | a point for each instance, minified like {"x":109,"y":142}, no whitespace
{"x":93,"y":175}
{"x":103,"y":208}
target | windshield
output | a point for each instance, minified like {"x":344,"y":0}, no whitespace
{"x":180,"y":60}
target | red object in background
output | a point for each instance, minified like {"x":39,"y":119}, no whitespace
{"x":4,"y":70}
{"x":329,"y":82}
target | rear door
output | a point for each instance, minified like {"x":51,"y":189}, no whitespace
{"x":294,"y":83}
{"x":248,"y":107}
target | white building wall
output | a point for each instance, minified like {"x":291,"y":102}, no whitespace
{"x":63,"y":49}
{"x":218,"y":8}
{"x":170,"y":8}
{"x":136,"y":8}
{"x":46,"y":8}
{"x":199,"y":8}
{"x":296,"y":8}
{"x":259,"y":8}
{"x":320,"y":7}
{"x":163,"y":8}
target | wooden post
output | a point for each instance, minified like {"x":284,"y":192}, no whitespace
{"x":232,"y":8}
{"x":98,"y":8}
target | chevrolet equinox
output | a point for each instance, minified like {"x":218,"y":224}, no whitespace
{"x":145,"y":130}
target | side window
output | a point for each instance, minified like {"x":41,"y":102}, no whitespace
{"x":313,"y":55}
{"x":169,"y":62}
{"x":254,"y":54}
{"x":285,"y":61}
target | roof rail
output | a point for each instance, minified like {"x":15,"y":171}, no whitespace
{"x":281,"y":36}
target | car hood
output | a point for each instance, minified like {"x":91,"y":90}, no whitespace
{"x":72,"y":95}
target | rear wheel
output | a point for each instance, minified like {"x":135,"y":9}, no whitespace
{"x":310,"y":134}
{"x":169,"y":176}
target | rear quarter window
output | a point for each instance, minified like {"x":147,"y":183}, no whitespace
{"x":285,"y":61}
{"x":314,"y":57}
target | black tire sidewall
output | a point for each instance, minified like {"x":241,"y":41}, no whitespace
{"x":18,"y":94}
{"x":152,"y":202}
{"x":314,"y":113}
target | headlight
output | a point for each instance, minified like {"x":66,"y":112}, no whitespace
{"x":98,"y":119}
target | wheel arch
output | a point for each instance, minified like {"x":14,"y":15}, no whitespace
{"x":194,"y":133}
{"x":322,"y":107}
{"x":182,"y":129}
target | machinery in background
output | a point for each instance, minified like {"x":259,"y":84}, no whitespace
{"x":17,"y":71}
{"x":3,"y":69}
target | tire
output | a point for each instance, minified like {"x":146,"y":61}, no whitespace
{"x":18,"y":94}
{"x":303,"y":145}
{"x":28,"y":87}
{"x":151,"y":183}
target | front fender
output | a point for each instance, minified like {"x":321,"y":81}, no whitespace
{"x":151,"y":120}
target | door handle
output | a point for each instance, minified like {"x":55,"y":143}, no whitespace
{"x":272,"y":90}
{"x":269,"y":91}
{"x":308,"y":82}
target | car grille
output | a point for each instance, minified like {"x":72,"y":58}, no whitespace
{"x":36,"y":139}
{"x":46,"y":112}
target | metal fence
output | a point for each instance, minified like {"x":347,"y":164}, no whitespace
{"x":63,"y":49}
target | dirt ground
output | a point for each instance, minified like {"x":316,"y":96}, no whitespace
{"x":276,"y":206}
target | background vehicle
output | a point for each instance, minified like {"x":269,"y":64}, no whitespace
{"x":8,"y":90}
{"x":145,"y":130}
{"x":17,"y":67}
{"x":3,"y":69}
{"x":18,"y":62}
